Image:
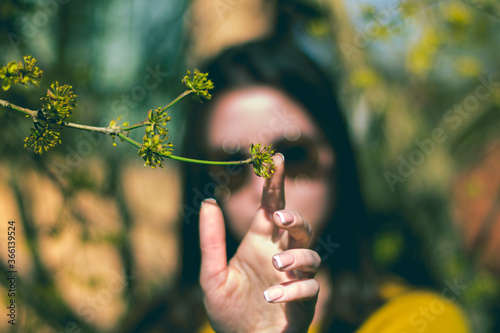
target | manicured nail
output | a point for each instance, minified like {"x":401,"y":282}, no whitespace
{"x":282,"y":156}
{"x":285,"y":217}
{"x":274,"y":293}
{"x":209,"y":200}
{"x":283,"y":260}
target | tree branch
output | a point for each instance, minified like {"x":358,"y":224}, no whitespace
{"x":119,"y":131}
{"x":34,"y":114}
{"x":11,"y":106}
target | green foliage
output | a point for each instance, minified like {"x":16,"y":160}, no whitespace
{"x":432,"y":60}
{"x":20,"y":73}
{"x":388,"y":247}
{"x":263,"y":164}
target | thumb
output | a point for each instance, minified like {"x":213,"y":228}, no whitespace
{"x":213,"y":244}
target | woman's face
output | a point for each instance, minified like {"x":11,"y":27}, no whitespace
{"x":264,"y":115}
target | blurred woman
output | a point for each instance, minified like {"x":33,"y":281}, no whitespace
{"x":269,"y":92}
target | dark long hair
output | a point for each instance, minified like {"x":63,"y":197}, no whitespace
{"x":281,"y":65}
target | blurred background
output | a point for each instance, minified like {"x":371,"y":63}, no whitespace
{"x":97,"y":233}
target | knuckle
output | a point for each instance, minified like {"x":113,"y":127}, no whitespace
{"x":300,"y":257}
{"x":314,"y":287}
{"x":298,"y":289}
{"x":301,"y":224}
{"x":308,"y":229}
{"x":316,"y":257}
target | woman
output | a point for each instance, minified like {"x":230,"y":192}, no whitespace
{"x":269,"y":92}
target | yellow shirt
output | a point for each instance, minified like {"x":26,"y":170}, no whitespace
{"x":417,"y":311}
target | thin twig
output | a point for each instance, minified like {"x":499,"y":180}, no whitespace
{"x":104,"y":130}
{"x":14,"y":107}
{"x":146,"y":121}
{"x":35,"y":115}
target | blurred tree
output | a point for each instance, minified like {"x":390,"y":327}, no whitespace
{"x":122,"y":58}
{"x":422,"y":83}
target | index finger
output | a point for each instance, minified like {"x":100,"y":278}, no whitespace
{"x":273,"y":194}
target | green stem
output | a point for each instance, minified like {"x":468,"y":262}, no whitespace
{"x":185,"y":159}
{"x":190,"y":160}
{"x":146,"y":121}
{"x":129,"y":140}
{"x":139,"y":124}
{"x":181,"y":96}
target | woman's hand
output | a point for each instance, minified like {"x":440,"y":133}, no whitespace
{"x":268,"y":285}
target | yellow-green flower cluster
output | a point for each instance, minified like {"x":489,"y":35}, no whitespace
{"x":57,"y":106}
{"x":155,"y":145}
{"x":263,"y":164}
{"x":158,"y":119}
{"x":20,"y":72}
{"x":42,"y":138}
{"x":199,"y":83}
{"x":59,"y":103}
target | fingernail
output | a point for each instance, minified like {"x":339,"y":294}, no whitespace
{"x":210,"y":200}
{"x":274,"y":293}
{"x":285,"y":217}
{"x":283,"y":260}
{"x":282,"y":156}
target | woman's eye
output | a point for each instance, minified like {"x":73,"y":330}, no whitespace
{"x":295,"y":154}
{"x":301,"y":157}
